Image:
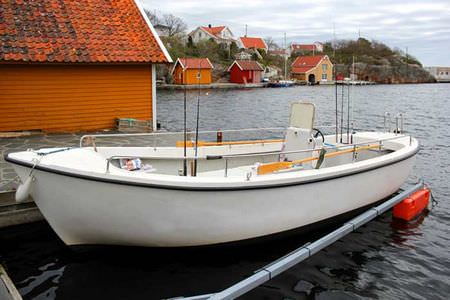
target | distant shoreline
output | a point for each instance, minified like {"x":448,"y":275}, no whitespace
{"x":218,"y":85}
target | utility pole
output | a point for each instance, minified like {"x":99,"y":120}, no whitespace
{"x":353,"y":77}
{"x":246,"y":27}
{"x":334,"y":41}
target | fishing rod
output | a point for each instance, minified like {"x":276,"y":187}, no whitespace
{"x":336,"y":99}
{"x":194,"y":171}
{"x":185,"y":129}
{"x":342,"y":110}
{"x":348,"y":114}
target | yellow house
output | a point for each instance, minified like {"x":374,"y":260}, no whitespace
{"x":192,"y":71}
{"x":312,"y":69}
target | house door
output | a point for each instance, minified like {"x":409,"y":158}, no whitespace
{"x":312,"y":79}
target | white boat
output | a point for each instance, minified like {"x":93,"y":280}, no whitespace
{"x":242,"y":190}
{"x":281,"y":83}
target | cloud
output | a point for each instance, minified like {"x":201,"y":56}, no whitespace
{"x":421,"y":26}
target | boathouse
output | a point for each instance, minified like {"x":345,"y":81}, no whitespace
{"x":312,"y":69}
{"x":192,"y":71}
{"x":76,"y":65}
{"x":245,"y":71}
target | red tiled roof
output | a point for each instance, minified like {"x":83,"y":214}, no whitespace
{"x":214,"y":30}
{"x":248,"y":65}
{"x":307,"y":47}
{"x":305,"y":63}
{"x":195,"y":63}
{"x":253,"y":42}
{"x":76,"y":31}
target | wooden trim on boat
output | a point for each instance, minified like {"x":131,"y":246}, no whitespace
{"x":283,"y":165}
{"x":200,"y":188}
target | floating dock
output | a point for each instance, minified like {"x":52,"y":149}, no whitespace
{"x":354,"y":82}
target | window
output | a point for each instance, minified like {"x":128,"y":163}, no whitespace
{"x":324,"y":68}
{"x":199,"y":75}
{"x":200,"y":35}
{"x":324,"y":76}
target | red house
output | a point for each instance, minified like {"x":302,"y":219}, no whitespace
{"x":245,"y":71}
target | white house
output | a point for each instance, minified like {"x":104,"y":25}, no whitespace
{"x":220,"y":34}
{"x":442,"y":74}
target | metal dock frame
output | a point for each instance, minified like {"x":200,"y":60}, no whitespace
{"x":291,"y":259}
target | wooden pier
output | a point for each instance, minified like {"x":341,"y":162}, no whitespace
{"x":13,"y":213}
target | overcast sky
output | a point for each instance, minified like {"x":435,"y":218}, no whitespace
{"x":422,"y":26}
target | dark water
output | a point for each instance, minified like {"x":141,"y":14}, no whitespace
{"x":386,"y":259}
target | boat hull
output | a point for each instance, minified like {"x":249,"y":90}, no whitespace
{"x":85,"y":211}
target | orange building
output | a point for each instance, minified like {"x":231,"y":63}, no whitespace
{"x":192,"y":71}
{"x":76,"y":65}
{"x":312,"y":69}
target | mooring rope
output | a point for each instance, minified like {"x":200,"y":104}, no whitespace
{"x":434,"y":202}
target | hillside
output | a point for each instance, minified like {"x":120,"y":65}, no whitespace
{"x":374,"y":61}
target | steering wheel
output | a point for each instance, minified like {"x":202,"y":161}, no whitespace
{"x":317,"y":132}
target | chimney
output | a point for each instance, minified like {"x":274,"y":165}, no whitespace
{"x":209,"y":25}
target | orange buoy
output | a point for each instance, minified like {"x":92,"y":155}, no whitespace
{"x":412,"y":206}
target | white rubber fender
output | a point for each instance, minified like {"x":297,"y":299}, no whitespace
{"x":23,"y":190}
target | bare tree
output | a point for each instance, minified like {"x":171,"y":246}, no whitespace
{"x":153,"y":16}
{"x":271,"y":43}
{"x":175,"y":25}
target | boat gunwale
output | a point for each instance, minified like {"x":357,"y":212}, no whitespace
{"x":352,"y":172}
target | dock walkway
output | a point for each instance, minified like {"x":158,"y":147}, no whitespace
{"x":13,"y":213}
